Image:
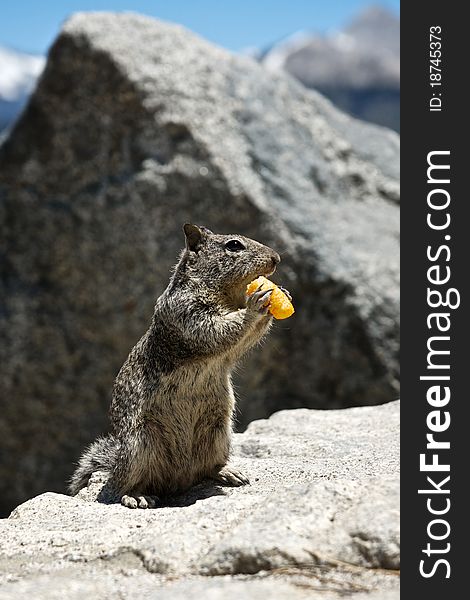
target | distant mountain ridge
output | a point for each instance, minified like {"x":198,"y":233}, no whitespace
{"x":358,"y":68}
{"x":18,"y":74}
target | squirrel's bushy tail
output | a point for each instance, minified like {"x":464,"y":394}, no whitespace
{"x":99,"y":456}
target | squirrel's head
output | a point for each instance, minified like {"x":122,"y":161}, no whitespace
{"x":226,"y":264}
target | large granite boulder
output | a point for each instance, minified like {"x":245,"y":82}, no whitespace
{"x":319,"y":520}
{"x":136,"y":127}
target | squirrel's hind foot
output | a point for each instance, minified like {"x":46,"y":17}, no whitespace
{"x":231,"y":476}
{"x":138,"y":501}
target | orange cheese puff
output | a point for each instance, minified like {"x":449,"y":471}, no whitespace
{"x":279,"y":306}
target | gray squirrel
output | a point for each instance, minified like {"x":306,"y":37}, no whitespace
{"x":172,"y":405}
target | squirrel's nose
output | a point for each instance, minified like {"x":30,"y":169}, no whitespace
{"x":276,"y":259}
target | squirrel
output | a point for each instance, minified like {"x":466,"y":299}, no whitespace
{"x":172,"y":405}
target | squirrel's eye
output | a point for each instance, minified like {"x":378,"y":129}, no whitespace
{"x":234,"y":245}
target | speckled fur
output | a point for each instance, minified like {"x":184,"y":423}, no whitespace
{"x":173,"y":401}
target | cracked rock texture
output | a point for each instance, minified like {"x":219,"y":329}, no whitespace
{"x":136,"y":127}
{"x":319,"y":520}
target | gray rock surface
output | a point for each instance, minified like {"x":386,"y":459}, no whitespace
{"x":319,"y":520}
{"x":136,"y":127}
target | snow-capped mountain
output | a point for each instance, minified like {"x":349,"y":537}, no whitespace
{"x":18,"y":75}
{"x":358,"y":68}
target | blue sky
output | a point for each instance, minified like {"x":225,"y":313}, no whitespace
{"x":31,"y":25}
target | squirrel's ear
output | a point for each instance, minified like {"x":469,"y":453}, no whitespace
{"x":194,"y":236}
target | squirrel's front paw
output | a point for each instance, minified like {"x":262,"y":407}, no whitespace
{"x":286,"y":292}
{"x":231,"y":476}
{"x":259,"y":301}
{"x":137,"y":501}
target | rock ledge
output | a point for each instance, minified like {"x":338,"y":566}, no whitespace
{"x":320,"y":519}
